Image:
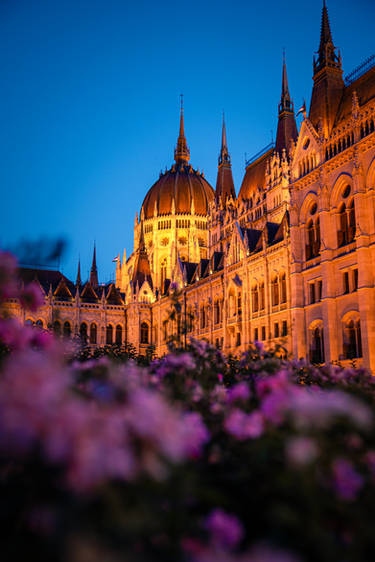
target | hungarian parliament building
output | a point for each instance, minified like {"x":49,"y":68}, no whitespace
{"x":290,"y":260}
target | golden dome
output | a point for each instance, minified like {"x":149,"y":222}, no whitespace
{"x":180,"y":187}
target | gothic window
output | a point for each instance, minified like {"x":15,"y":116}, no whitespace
{"x":261,"y":297}
{"x":316,"y":246}
{"x":239,"y":304}
{"x":282,"y":288}
{"x":352,"y":339}
{"x":57,"y":327}
{"x":351,"y":221}
{"x":342,"y":235}
{"x":118,"y":334}
{"x":163,"y":271}
{"x":39,"y":323}
{"x":310,"y":240}
{"x":144,"y":333}
{"x":165,"y":330}
{"x":275,"y":291}
{"x":203,"y":317}
{"x":67,"y":329}
{"x":83,"y":332}
{"x":217,"y":312}
{"x":93,"y":333}
{"x":255,"y":298}
{"x":317,"y":345}
{"x":109,"y":335}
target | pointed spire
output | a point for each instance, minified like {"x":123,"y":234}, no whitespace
{"x":94,"y":271}
{"x":224,"y":182}
{"x":286,"y":103}
{"x":224,"y":154}
{"x":286,"y":127}
{"x":78,"y":280}
{"x":328,"y":81}
{"x":182,"y":153}
{"x":326,"y":52}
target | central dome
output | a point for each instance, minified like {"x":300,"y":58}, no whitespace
{"x":182,"y":185}
{"x":181,"y":189}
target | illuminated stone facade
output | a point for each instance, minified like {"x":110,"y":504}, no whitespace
{"x":290,"y":260}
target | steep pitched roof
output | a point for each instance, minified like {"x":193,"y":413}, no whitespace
{"x":254,"y":176}
{"x":46,"y":277}
{"x":364,"y":86}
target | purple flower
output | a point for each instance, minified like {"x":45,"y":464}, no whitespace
{"x":194,"y":434}
{"x":31,"y":297}
{"x":347,"y":482}
{"x":244,"y":426}
{"x":225,"y":530}
{"x":301,"y":450}
{"x":240,"y":391}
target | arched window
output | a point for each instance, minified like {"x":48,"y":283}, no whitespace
{"x":109,"y":335}
{"x":163,"y":272}
{"x":67,"y":329}
{"x":39,"y":323}
{"x":275,"y":291}
{"x":261,"y":296}
{"x":118,"y":334}
{"x":255,"y":298}
{"x":144,"y":333}
{"x":203,"y":317}
{"x":351,"y":221}
{"x":217,"y":312}
{"x":239,"y":304}
{"x":310,"y":238}
{"x":29,"y":322}
{"x":352,"y":339}
{"x":342,"y":234}
{"x":57,"y":328}
{"x":282,"y":288}
{"x":93,"y":333}
{"x":317,"y":345}
{"x":316,"y":247}
{"x":165,"y":330}
{"x":83,"y":332}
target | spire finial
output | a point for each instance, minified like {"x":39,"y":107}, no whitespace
{"x":224,"y":154}
{"x":182,"y":153}
{"x":326,"y":52}
{"x":94,"y":271}
{"x":286,"y":103}
{"x":78,"y":280}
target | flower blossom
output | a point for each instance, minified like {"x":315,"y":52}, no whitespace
{"x":225,"y":529}
{"x":301,"y":450}
{"x":244,"y":426}
{"x":347,"y":482}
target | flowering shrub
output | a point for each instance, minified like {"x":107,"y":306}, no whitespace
{"x":191,"y":457}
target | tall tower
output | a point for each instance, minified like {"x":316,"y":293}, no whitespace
{"x":286,"y":127}
{"x":224,"y":182}
{"x":328,"y":80}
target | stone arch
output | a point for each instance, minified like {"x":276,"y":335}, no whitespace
{"x":316,"y":341}
{"x":145,"y":337}
{"x":370,"y":176}
{"x":310,"y":198}
{"x":352,"y":339}
{"x":341,"y":181}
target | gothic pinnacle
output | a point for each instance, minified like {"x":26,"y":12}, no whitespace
{"x":181,"y":153}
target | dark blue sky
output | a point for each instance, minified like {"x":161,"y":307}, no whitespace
{"x":90,"y":102}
